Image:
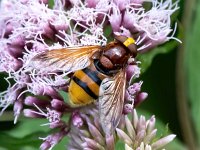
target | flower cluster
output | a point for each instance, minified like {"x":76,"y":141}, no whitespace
{"x":137,"y":133}
{"x":29,"y":27}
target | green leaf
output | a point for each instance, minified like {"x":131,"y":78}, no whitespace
{"x":176,"y":145}
{"x":119,"y":145}
{"x":25,"y":136}
{"x":13,"y":143}
{"x":4,"y":84}
{"x":108,"y":33}
{"x":62,"y":144}
{"x":51,"y":3}
{"x":27,"y":126}
{"x":147,"y":58}
{"x":64,"y":95}
{"x":192,"y":66}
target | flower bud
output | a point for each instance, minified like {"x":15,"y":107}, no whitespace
{"x":110,"y":142}
{"x":32,"y":101}
{"x":39,"y":47}
{"x":77,"y":120}
{"x":115,"y":19}
{"x":121,"y":4}
{"x":51,"y":140}
{"x":9,"y":29}
{"x":91,"y":3}
{"x":136,"y":87}
{"x":58,"y":104}
{"x":132,"y":71}
{"x":45,"y":145}
{"x":17,"y":110}
{"x":140,"y":98}
{"x":59,"y":124}
{"x":50,"y":91}
{"x":32,"y":113}
{"x":44,"y":1}
{"x":127,"y":108}
{"x":15,"y":51}
{"x":163,"y":141}
{"x":18,"y":41}
{"x":48,"y":32}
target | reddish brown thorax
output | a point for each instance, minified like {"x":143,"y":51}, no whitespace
{"x":114,"y":56}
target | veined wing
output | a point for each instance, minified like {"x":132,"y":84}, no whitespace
{"x":66,"y":59}
{"x":111,"y":101}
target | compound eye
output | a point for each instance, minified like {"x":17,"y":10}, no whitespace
{"x":120,"y":38}
{"x":133,"y":49}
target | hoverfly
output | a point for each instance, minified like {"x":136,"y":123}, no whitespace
{"x":98,"y":74}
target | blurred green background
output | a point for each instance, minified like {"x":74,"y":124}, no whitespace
{"x":171,"y":75}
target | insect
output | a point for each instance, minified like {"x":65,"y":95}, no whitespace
{"x":99,"y":74}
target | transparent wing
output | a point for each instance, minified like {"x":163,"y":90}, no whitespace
{"x":66,"y":59}
{"x":111,"y":101}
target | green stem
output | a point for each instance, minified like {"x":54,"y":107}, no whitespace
{"x":182,"y":98}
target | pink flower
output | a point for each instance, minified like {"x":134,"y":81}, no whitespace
{"x":115,"y":19}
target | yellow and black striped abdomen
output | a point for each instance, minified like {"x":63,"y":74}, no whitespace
{"x":84,"y":86}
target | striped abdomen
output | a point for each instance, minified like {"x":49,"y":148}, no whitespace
{"x":84,"y":86}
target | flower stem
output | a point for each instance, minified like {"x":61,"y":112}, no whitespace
{"x":182,"y":98}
